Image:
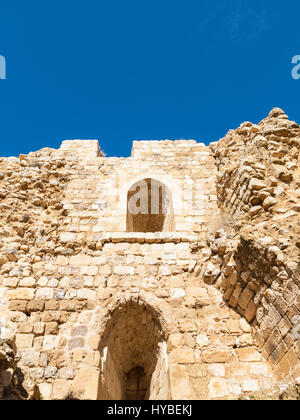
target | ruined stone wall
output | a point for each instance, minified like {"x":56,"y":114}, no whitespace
{"x":258,"y":192}
{"x":205,"y":311}
{"x":31,"y":193}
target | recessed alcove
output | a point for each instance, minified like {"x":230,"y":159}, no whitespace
{"x":149,"y":207}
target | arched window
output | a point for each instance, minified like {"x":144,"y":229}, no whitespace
{"x":149,"y":207}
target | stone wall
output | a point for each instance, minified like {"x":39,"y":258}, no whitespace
{"x":258,"y":192}
{"x":96,"y":197}
{"x":208,"y":310}
{"x":132,"y":291}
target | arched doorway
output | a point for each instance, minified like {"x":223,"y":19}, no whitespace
{"x":134,"y":363}
{"x":149,"y":207}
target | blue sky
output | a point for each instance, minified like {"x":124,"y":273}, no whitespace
{"x":120,"y":70}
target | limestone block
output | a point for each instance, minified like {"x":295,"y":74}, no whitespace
{"x":52,"y":283}
{"x":233,"y":301}
{"x":81,"y":259}
{"x":246,"y":340}
{"x":164,"y":271}
{"x":251,"y":311}
{"x":182,"y":355}
{"x":245,"y":298}
{"x":51,"y":328}
{"x":197,"y":292}
{"x":17,"y":305}
{"x":27,"y":282}
{"x":93,"y":358}
{"x":78,"y":355}
{"x":66,"y":373}
{"x":274,"y":317}
{"x":42,"y":281}
{"x":24,"y":341}
{"x":94,"y":342}
{"x":50,"y":372}
{"x":45,"y":390}
{"x":175,"y":340}
{"x":202,"y":340}
{"x":39,"y":328}
{"x":79,"y":331}
{"x":245,"y":326}
{"x":20,"y":294}
{"x":179,"y":383}
{"x":293,"y":358}
{"x":177,"y":293}
{"x":124,"y":270}
{"x":86,"y":383}
{"x":250,"y":385}
{"x":218,"y":388}
{"x":25,"y":327}
{"x":50,"y":342}
{"x":217,"y":369}
{"x":67,"y":237}
{"x":89,"y":270}
{"x":256,"y":184}
{"x":62,"y":261}
{"x":234,"y":386}
{"x":187,"y":325}
{"x":76,"y":343}
{"x":11,"y":282}
{"x":61,"y":389}
{"x":44,"y":293}
{"x":86,"y":294}
{"x":259,"y":369}
{"x":217,"y":356}
{"x":248,"y":354}
{"x":233,"y":326}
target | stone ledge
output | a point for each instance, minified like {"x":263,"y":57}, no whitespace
{"x":149,"y":237}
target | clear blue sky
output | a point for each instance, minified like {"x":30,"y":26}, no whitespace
{"x":121,"y":70}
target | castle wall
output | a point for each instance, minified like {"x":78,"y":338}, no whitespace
{"x":61,"y":318}
{"x":96,"y":197}
{"x":88,"y":302}
{"x":258,"y":192}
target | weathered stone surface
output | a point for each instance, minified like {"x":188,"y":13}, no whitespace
{"x":218,"y":388}
{"x":248,"y":355}
{"x":86,"y":384}
{"x":180,"y":384}
{"x":88,"y":286}
{"x":24,"y":341}
{"x":9,"y":389}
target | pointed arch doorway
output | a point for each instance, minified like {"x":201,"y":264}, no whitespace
{"x":134,"y":362}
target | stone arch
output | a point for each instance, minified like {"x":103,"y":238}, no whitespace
{"x":160,"y":307}
{"x":134,"y":361}
{"x":149,"y":207}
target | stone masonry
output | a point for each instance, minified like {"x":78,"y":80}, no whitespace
{"x":197,"y":300}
